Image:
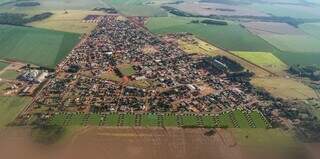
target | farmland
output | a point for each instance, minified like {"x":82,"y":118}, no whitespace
{"x":238,"y":119}
{"x":3,"y":65}
{"x":232,"y":36}
{"x":313,"y":29}
{"x":285,"y":88}
{"x":10,"y":107}
{"x":264,"y":59}
{"x":70,"y":22}
{"x":37,"y":46}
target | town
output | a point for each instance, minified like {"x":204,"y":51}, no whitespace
{"x":121,"y":67}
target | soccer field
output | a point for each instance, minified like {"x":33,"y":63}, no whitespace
{"x":37,"y":46}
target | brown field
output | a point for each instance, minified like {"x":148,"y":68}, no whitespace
{"x":266,"y":28}
{"x":215,"y":9}
{"x":285,"y":88}
{"x":134,"y":143}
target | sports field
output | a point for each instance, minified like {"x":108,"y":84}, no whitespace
{"x":232,"y":37}
{"x":37,"y":46}
{"x":10,"y":107}
{"x":235,"y":119}
{"x":264,"y":59}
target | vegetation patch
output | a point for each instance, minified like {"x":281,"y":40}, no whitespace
{"x":3,"y":65}
{"x":9,"y":75}
{"x":10,"y":107}
{"x":231,"y":37}
{"x":126,"y":69}
{"x":148,"y":120}
{"x":37,"y":46}
{"x":264,"y":59}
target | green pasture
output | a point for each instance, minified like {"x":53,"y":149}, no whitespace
{"x":264,"y":59}
{"x":9,"y":74}
{"x":3,"y":65}
{"x":166,"y":120}
{"x":232,"y":37}
{"x":37,"y":46}
{"x":10,"y":108}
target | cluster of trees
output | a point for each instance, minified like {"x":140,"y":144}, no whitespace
{"x":21,"y":19}
{"x":27,"y":4}
{"x":107,"y":10}
{"x":210,"y":22}
{"x":295,"y":22}
{"x":312,"y":72}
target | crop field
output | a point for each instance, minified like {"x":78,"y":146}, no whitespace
{"x":285,"y":87}
{"x":70,"y":22}
{"x":10,"y":108}
{"x":232,"y":37}
{"x":9,"y":75}
{"x":3,"y":65}
{"x":296,"y":11}
{"x":264,"y":59}
{"x":313,"y":29}
{"x":37,"y":46}
{"x":234,"y":119}
{"x":137,"y":7}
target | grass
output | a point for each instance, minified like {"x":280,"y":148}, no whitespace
{"x":170,"y":120}
{"x":136,"y":8}
{"x":285,"y":87}
{"x":313,"y":29}
{"x":293,"y":43}
{"x":111,"y":120}
{"x":3,"y":65}
{"x":208,"y":121}
{"x":241,"y":119}
{"x":225,"y":121}
{"x":166,"y":120}
{"x":264,"y":59}
{"x":126,"y":69}
{"x":264,"y":137}
{"x":111,"y":76}
{"x":129,"y":120}
{"x":94,"y":119}
{"x":37,"y":46}
{"x":189,"y":120}
{"x":77,"y":119}
{"x":232,"y":36}
{"x":258,"y":119}
{"x":149,"y":120}
{"x":70,"y":22}
{"x":10,"y":108}
{"x":9,"y":75}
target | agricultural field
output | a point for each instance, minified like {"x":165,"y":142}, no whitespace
{"x":68,"y":22}
{"x":10,"y":107}
{"x":232,"y":37}
{"x":3,"y":65}
{"x":296,"y":11}
{"x":237,"y":118}
{"x":264,"y":59}
{"x":52,"y":5}
{"x":137,"y":7}
{"x":286,"y":88}
{"x":36,"y":46}
{"x":313,"y":29}
{"x":9,"y":74}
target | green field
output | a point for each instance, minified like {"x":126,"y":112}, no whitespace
{"x":10,"y":107}
{"x":3,"y":65}
{"x":148,"y":120}
{"x":296,"y":11}
{"x":126,"y":69}
{"x":37,"y":46}
{"x":254,"y":120}
{"x":313,"y":29}
{"x":9,"y":75}
{"x":231,"y":37}
{"x":294,"y":43}
{"x":264,"y":59}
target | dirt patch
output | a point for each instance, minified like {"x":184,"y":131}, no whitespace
{"x":267,"y":28}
